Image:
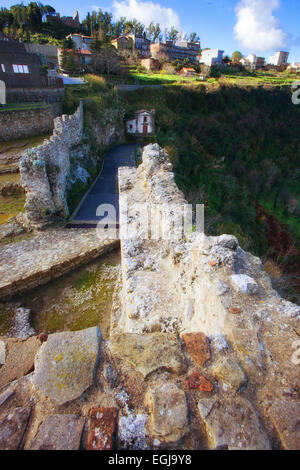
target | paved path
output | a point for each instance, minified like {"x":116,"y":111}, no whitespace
{"x":105,"y":190}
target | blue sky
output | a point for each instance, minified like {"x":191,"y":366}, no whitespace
{"x":259,"y":26}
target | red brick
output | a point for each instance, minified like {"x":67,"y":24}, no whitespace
{"x":102,"y":428}
{"x":197,"y":346}
{"x":199,"y":382}
{"x":235,"y":310}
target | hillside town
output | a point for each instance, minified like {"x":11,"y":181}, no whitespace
{"x":26,"y":64}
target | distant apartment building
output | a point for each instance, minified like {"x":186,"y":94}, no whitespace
{"x":279,"y":58}
{"x":181,"y":51}
{"x":133,"y":43}
{"x":211,"y":57}
{"x":82,"y":42}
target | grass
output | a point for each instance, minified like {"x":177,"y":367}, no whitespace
{"x":22,"y":106}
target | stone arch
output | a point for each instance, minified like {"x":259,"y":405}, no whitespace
{"x":2,"y":92}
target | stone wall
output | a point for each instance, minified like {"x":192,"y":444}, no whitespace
{"x":22,"y":124}
{"x":45,"y":170}
{"x":48,"y":172}
{"x":221,"y":303}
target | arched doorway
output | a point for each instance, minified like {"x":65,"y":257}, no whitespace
{"x":2,"y":92}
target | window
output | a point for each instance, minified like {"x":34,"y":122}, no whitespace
{"x":145,"y":119}
{"x":3,"y":67}
{"x":20,"y":68}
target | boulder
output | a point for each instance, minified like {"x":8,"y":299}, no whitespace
{"x":65,"y":364}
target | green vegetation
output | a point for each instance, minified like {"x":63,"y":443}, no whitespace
{"x":22,"y":106}
{"x":232,"y":148}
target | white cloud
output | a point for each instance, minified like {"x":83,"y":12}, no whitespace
{"x":145,"y":12}
{"x":257,"y":28}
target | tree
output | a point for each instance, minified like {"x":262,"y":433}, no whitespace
{"x":236,"y":57}
{"x":193,"y":37}
{"x":171,"y":35}
{"x":106,"y":60}
{"x":153,"y":31}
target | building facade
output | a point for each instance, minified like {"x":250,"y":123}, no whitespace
{"x":81,"y":42}
{"x":211,"y":57}
{"x":184,"y":50}
{"x":279,"y":58}
{"x":142,"y":123}
{"x":133,"y":43}
{"x":18,"y":68}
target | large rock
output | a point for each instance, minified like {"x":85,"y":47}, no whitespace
{"x":232,"y":424}
{"x":65,"y":364}
{"x":150,"y":352}
{"x":285,"y":416}
{"x":168,"y":412}
{"x":20,"y":357}
{"x":13,"y":427}
{"x":59,"y":432}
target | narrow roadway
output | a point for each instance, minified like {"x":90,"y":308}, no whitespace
{"x":105,"y":189}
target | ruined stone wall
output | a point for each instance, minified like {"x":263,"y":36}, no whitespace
{"x":22,"y":124}
{"x":45,"y":170}
{"x":48,"y":172}
{"x":221,"y":303}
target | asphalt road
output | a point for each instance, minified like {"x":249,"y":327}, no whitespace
{"x":105,"y":190}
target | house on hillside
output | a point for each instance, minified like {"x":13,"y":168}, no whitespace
{"x":133,"y":43}
{"x":83,"y":58}
{"x":142,"y":123}
{"x":18,"y":68}
{"x":150,"y":64}
{"x":82,"y":43}
{"x":188,"y":72}
{"x":253,"y":61}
